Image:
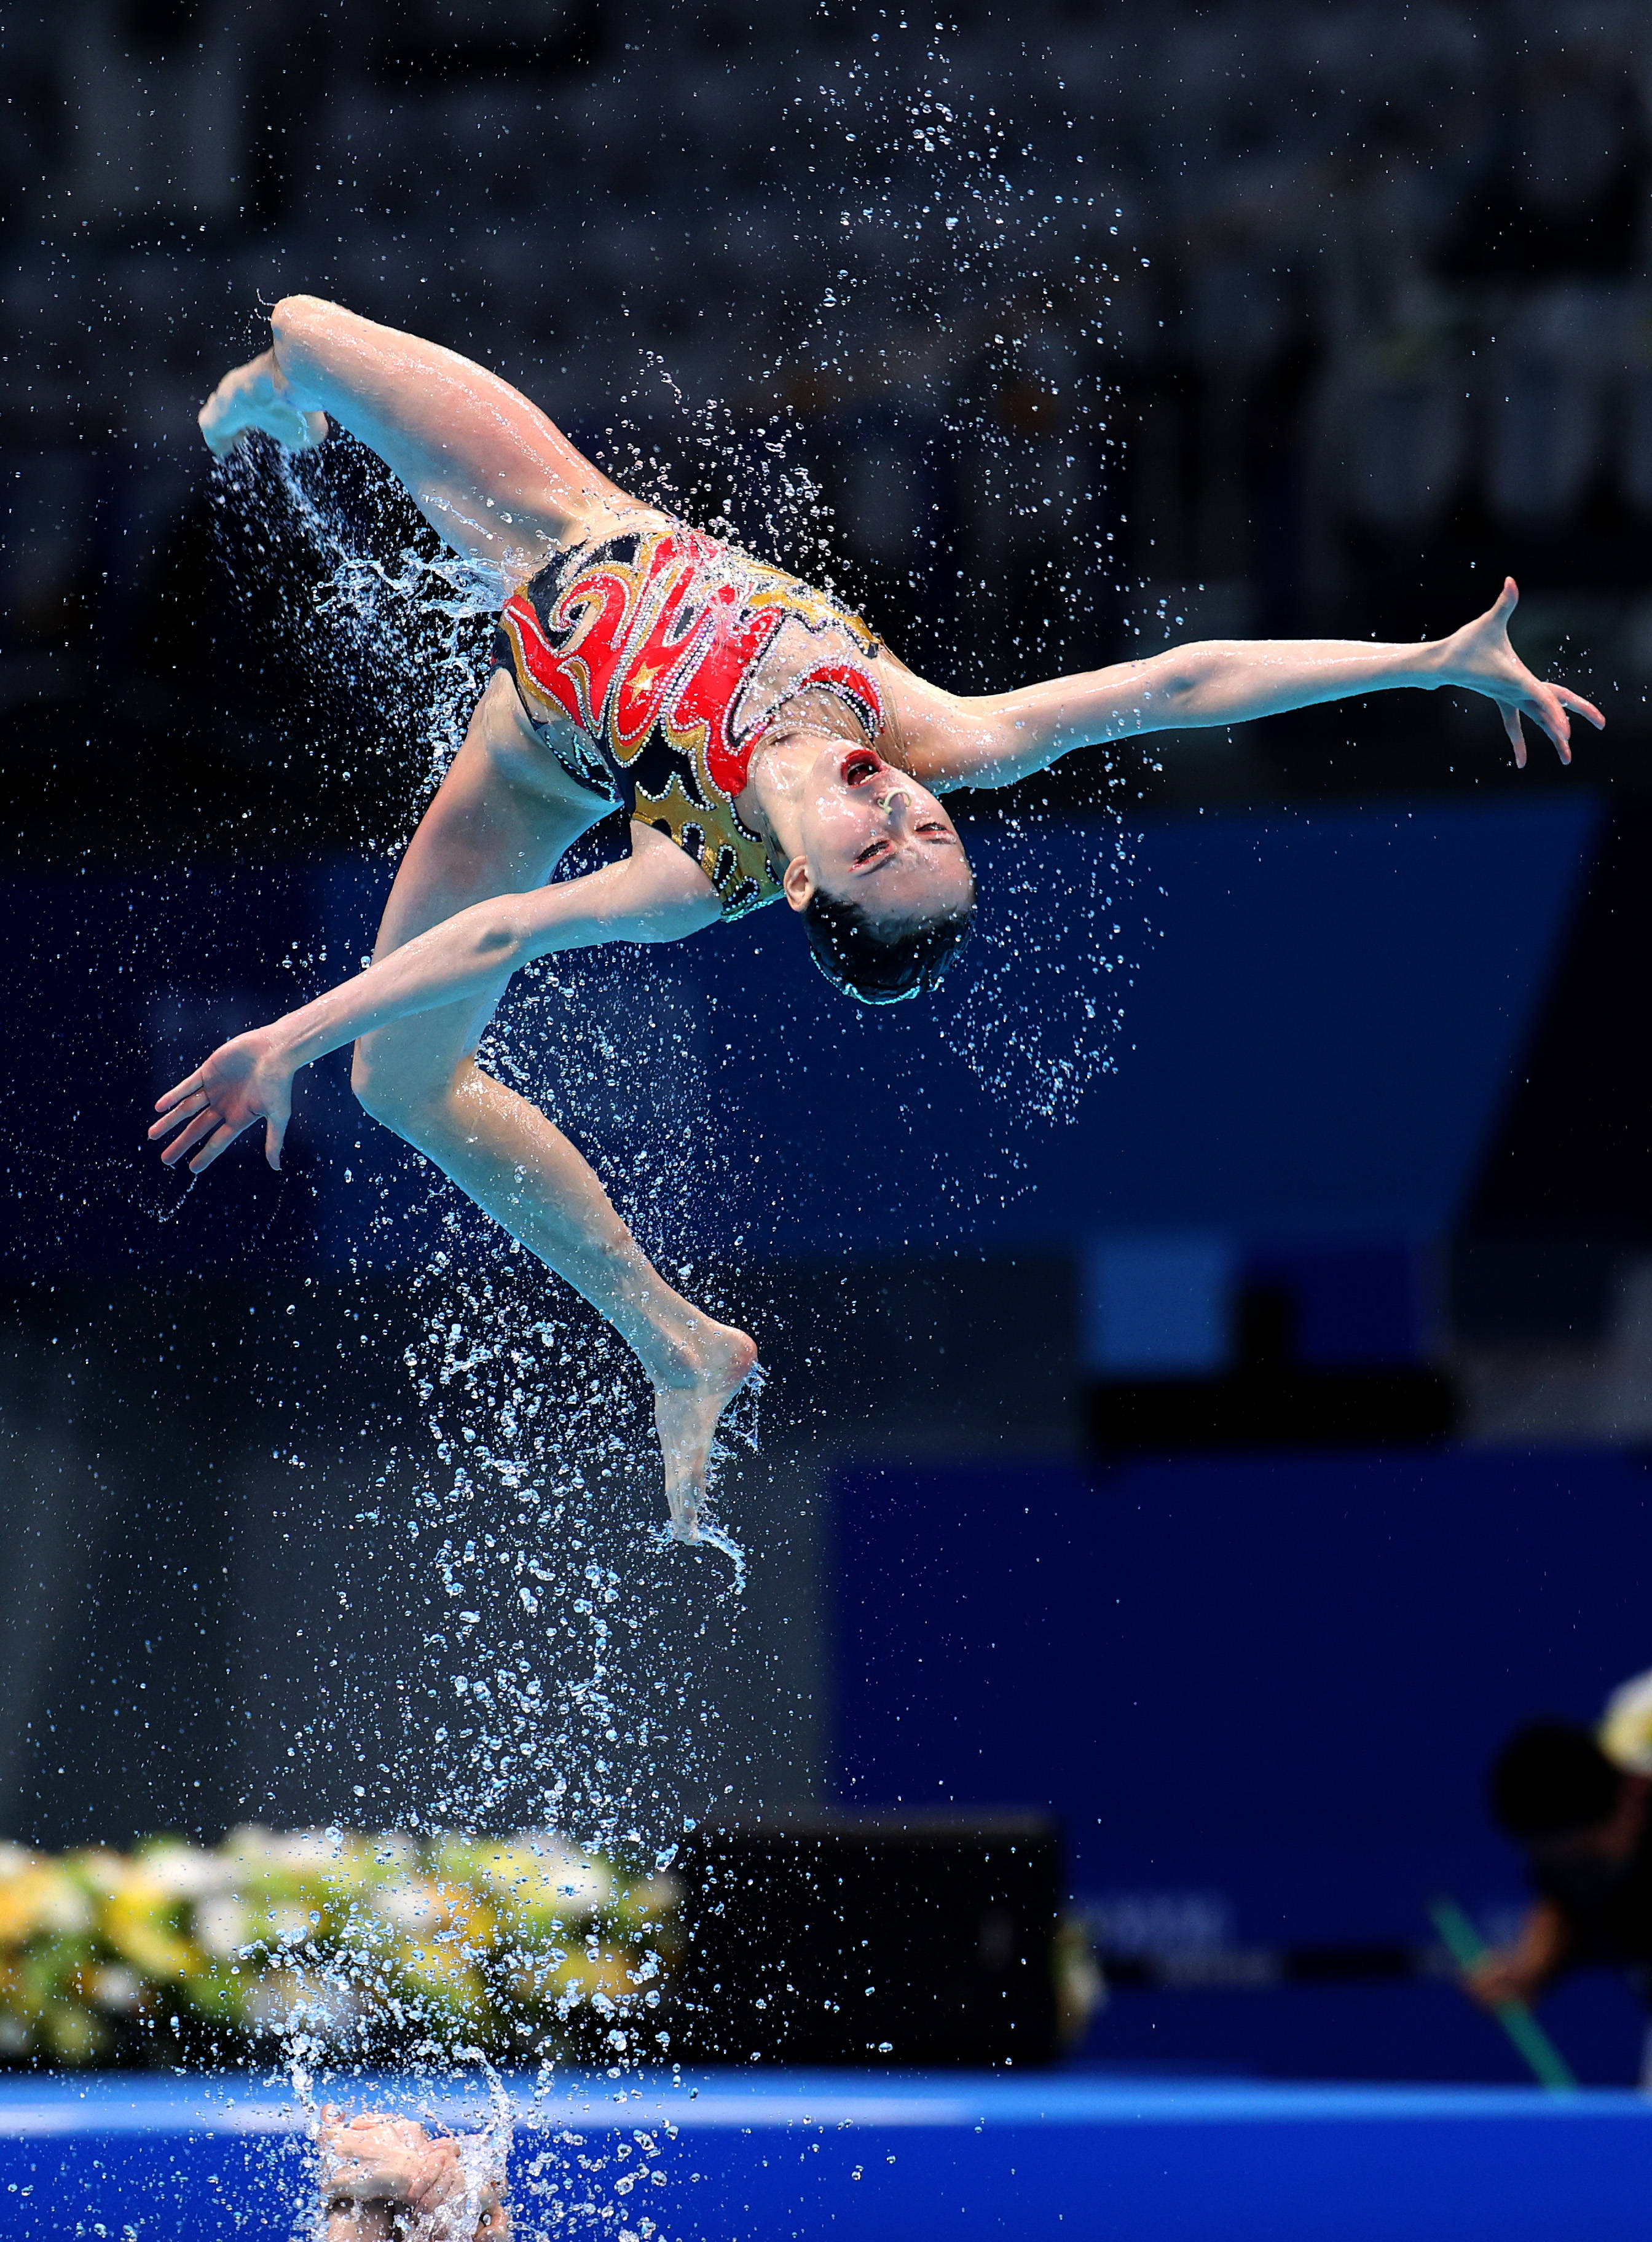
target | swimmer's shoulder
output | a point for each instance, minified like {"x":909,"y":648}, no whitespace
{"x":921,"y":722}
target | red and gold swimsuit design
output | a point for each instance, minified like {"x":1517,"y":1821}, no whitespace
{"x":672,"y":655}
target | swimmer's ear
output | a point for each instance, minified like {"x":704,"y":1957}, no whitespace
{"x":798,"y":882}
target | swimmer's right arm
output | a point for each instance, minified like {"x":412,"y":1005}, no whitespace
{"x":657,"y":894}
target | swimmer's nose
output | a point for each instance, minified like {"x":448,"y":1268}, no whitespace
{"x":899,"y":807}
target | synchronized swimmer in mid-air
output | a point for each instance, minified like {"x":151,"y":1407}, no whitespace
{"x":766,"y":745}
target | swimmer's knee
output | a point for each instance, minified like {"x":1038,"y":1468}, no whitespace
{"x":388,"y":1095}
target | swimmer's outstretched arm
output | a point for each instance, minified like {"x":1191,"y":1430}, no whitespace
{"x":489,"y":470}
{"x":656,"y":894}
{"x":994,"y":739}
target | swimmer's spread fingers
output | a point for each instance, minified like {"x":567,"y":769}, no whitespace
{"x":1510,"y":715}
{"x":1481,"y":657}
{"x":221,"y":1143}
{"x":1548,"y":711}
{"x":246,"y":1080}
{"x":1578,"y":706}
{"x":225,"y":1134}
{"x":196,"y":1121}
{"x":1551,"y":708}
{"x":194,"y":1129}
{"x":169,"y":1098}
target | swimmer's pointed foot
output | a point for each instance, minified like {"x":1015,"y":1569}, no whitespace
{"x":685,"y":1417}
{"x":256,"y":396}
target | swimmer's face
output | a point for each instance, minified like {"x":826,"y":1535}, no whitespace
{"x":873,"y":836}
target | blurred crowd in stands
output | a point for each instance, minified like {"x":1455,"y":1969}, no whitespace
{"x":1089,"y":323}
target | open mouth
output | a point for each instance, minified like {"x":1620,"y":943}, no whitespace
{"x":859,"y":765}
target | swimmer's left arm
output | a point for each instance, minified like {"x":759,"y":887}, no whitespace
{"x":656,"y":894}
{"x":992,"y":740}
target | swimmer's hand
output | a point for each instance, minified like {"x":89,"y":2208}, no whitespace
{"x":257,"y":396}
{"x":1500,"y":1977}
{"x":374,"y":2159}
{"x":1480,"y":658}
{"x":246,"y":1080}
{"x":454,"y":2189}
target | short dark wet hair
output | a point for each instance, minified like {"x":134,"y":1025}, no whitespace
{"x":1551,"y":1779}
{"x":874,"y":963}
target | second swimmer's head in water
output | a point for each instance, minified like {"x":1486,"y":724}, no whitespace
{"x":883,"y":886}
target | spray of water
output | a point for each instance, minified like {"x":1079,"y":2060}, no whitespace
{"x":565,"y":1653}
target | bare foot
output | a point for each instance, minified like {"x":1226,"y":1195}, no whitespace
{"x":255,"y":396}
{"x":686,"y":1416}
{"x":384,"y":2179}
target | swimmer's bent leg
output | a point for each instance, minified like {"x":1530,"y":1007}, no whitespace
{"x":490,"y":472}
{"x":486,"y":834}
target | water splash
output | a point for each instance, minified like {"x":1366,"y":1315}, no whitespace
{"x":391,"y":618}
{"x":709,"y":1535}
{"x":564,"y":1642}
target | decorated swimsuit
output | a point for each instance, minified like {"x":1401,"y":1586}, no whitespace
{"x":672,"y":655}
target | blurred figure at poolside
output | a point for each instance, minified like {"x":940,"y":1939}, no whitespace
{"x":1579,"y":1801}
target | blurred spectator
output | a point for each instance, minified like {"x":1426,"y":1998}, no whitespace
{"x":1579,"y":1801}
{"x":1252,"y":314}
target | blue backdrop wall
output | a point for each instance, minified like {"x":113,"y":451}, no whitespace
{"x":1260,"y":1692}
{"x":1309,"y":1023}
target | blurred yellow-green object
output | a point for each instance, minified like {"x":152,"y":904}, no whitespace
{"x":1625,"y":1732}
{"x":334,"y":1943}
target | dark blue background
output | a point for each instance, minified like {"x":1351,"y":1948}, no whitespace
{"x":1275,"y":1681}
{"x":1319,"y":1018}
{"x":1276,"y":1678}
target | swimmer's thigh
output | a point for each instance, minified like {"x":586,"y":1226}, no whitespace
{"x":497,"y":825}
{"x":468,"y":448}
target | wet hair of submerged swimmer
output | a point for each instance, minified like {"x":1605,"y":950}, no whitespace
{"x":877,"y":967}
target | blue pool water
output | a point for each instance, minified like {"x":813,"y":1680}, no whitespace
{"x":879,"y":2157}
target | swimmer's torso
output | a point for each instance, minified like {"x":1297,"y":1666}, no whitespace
{"x":671,"y":655}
